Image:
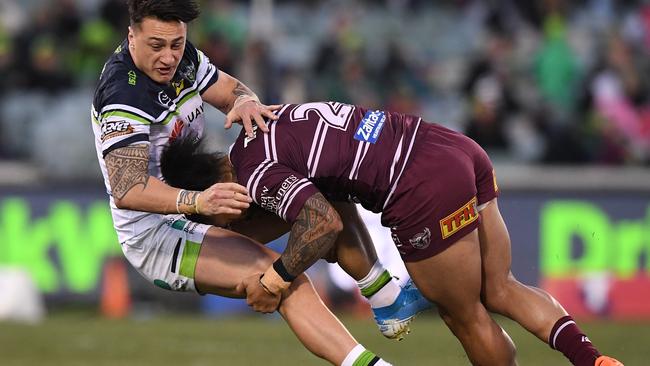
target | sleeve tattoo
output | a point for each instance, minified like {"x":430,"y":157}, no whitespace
{"x":311,"y":235}
{"x":127,"y":167}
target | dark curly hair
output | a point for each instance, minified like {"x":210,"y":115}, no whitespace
{"x":184,"y":164}
{"x":165,"y":10}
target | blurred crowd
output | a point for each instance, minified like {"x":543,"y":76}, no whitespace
{"x":540,"y":81}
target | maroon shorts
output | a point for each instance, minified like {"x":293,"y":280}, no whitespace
{"x":435,"y":202}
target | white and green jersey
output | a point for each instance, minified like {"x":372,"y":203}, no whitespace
{"x":130,"y":108}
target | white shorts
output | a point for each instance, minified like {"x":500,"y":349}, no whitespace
{"x":166,"y":254}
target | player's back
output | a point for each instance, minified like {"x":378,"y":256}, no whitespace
{"x":347,"y":151}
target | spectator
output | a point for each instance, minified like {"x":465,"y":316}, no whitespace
{"x":488,"y":89}
{"x":528,"y":85}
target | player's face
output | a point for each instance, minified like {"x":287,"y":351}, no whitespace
{"x":157,"y":47}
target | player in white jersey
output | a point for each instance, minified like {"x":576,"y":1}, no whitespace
{"x":151,"y":91}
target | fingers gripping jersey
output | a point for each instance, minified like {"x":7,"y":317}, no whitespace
{"x":130,"y":108}
{"x":344,"y":151}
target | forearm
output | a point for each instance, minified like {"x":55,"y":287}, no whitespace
{"x":228,"y":92}
{"x":132,"y":187}
{"x":313,"y":234}
{"x":158,"y":197}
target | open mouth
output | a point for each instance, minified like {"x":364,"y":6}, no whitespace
{"x":165,"y":71}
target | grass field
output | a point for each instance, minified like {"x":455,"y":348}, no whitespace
{"x":76,"y":339}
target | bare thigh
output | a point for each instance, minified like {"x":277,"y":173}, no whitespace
{"x":452,"y":278}
{"x":496,"y":254}
{"x":226,"y":258}
{"x":531,"y":307}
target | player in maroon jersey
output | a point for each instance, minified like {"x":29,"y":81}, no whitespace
{"x":437,"y":193}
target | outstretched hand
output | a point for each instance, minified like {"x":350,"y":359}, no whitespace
{"x":249,"y":110}
{"x":257,"y":297}
{"x":223,"y":198}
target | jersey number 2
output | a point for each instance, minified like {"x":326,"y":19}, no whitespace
{"x":335,"y":114}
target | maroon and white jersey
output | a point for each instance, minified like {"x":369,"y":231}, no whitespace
{"x":344,"y":151}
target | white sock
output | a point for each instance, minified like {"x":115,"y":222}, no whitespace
{"x":379,"y":287}
{"x":361,"y":354}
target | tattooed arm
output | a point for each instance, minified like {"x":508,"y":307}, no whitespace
{"x":312,"y":235}
{"x":238,"y":103}
{"x":353,"y":250}
{"x":134,"y":189}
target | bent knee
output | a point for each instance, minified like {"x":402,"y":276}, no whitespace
{"x":496,"y":296}
{"x":467,"y":316}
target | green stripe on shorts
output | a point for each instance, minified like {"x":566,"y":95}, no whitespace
{"x":188,"y":261}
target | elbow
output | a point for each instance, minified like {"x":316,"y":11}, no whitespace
{"x":123,"y":203}
{"x":119,"y":203}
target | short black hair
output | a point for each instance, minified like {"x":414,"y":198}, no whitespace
{"x":185,"y":164}
{"x":165,"y":10}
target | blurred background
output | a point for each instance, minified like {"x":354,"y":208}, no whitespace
{"x":557,"y":92}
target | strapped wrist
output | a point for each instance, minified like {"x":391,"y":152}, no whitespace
{"x":178,"y":201}
{"x":196,"y":204}
{"x":185,"y":207}
{"x":281,"y":270}
{"x":266,"y":289}
{"x":273,"y":282}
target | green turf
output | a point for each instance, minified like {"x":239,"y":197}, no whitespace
{"x":181,"y":340}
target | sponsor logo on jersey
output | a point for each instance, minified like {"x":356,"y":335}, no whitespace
{"x":115,"y":128}
{"x":189,"y":73}
{"x":197,"y":112}
{"x":459,"y":219}
{"x":178,"y":86}
{"x":370,"y":126}
{"x":271,"y":202}
{"x":132,"y":77}
{"x":176,"y":131}
{"x":164,"y":99}
{"x":421,"y":240}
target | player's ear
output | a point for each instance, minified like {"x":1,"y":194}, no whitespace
{"x":131,"y":36}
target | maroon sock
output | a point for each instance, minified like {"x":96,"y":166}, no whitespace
{"x":567,"y":338}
